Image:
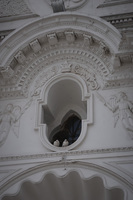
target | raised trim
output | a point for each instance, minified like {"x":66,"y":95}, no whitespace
{"x":66,"y":153}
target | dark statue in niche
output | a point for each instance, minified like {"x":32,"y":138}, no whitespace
{"x":68,"y":132}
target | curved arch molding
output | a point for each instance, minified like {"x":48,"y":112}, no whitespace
{"x":26,"y":52}
{"x":89,"y":172}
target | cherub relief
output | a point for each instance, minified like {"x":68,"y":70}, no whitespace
{"x":122,"y":109}
{"x":9,"y":120}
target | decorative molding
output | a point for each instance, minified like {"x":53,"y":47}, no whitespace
{"x":81,"y":46}
{"x":7,"y":72}
{"x":3,"y":34}
{"x":32,"y":70}
{"x":118,"y":166}
{"x":35,"y":45}
{"x":93,"y":26}
{"x":52,"y":39}
{"x":66,"y":153}
{"x":65,"y":67}
{"x":20,"y":57}
{"x":4,"y":174}
{"x":124,"y":20}
{"x":108,"y":3}
{"x":70,"y":37}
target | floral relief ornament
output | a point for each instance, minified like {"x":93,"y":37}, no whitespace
{"x":122,"y":109}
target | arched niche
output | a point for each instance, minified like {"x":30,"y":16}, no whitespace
{"x":62,"y":97}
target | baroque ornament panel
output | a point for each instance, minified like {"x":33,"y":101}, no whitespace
{"x":85,"y":45}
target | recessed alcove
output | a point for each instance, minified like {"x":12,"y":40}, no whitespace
{"x":64,"y":106}
{"x":65,"y":102}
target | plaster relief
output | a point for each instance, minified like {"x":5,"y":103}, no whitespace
{"x":66,"y":67}
{"x":9,"y":120}
{"x":122,"y":109}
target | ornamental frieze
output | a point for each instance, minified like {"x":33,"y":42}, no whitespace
{"x":66,"y":67}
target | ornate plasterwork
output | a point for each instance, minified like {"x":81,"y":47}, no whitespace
{"x":71,"y":68}
{"x":90,"y":43}
{"x":9,"y":120}
{"x":121,"y":20}
{"x":92,"y":26}
{"x":42,"y":57}
{"x":122,"y":109}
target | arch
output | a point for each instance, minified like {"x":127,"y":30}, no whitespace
{"x":88,"y":171}
{"x":19,"y":38}
{"x":31,"y":31}
{"x":35,"y":47}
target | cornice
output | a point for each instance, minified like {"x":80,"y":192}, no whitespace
{"x":66,"y":153}
{"x":120,"y":21}
{"x":107,"y":3}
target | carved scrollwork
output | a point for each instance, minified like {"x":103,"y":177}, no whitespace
{"x":87,"y":76}
{"x":66,"y":67}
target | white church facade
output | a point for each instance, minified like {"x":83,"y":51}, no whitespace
{"x":66,"y":100}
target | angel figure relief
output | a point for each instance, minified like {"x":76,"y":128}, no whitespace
{"x":9,"y":120}
{"x":122,"y":109}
